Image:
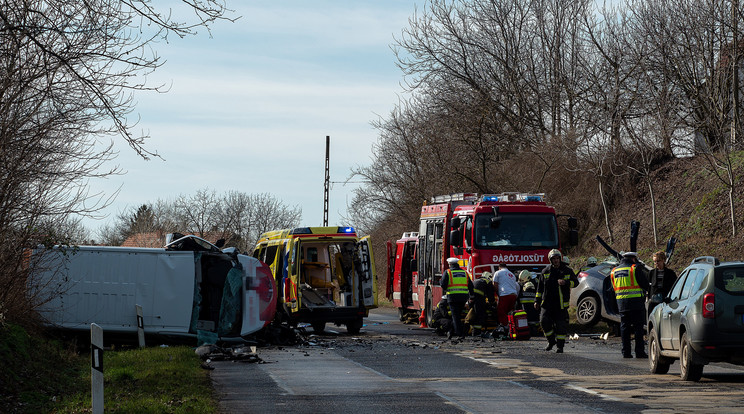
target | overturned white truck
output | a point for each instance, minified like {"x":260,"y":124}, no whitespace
{"x":188,"y":289}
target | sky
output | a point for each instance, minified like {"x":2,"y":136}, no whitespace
{"x":248,"y":109}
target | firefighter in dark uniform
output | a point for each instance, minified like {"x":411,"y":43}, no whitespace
{"x":527,"y":290}
{"x":482,"y":292}
{"x":441,"y":318}
{"x":459,"y":288}
{"x":552,"y":298}
{"x":630,"y":283}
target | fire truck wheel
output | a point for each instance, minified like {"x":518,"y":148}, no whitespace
{"x":429,"y":309}
{"x":318,"y":327}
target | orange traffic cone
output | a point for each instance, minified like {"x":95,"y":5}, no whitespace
{"x":422,"y":319}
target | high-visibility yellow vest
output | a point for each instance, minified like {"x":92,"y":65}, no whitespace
{"x":625,"y":284}
{"x":458,"y":282}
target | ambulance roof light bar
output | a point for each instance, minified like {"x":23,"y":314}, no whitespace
{"x":514,"y":197}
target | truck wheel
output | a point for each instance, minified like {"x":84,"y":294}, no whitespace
{"x":689,"y":370}
{"x":318,"y":327}
{"x":429,"y":309}
{"x":658,"y":364}
{"x":353,"y":327}
{"x":587,"y":311}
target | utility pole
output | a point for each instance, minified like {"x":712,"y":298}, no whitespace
{"x":327,"y":181}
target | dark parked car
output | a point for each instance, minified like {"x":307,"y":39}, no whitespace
{"x":701,"y":321}
{"x":587,"y":297}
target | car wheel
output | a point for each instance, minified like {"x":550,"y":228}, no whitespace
{"x":318,"y":327}
{"x":657,"y":363}
{"x":354,"y":326}
{"x":689,"y":370}
{"x":587,"y":311}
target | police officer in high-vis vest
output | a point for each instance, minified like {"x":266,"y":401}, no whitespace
{"x":552,"y":299}
{"x":458,"y":287}
{"x":630,"y":283}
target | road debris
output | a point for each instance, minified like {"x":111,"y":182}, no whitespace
{"x":209,"y":353}
{"x":603,"y":336}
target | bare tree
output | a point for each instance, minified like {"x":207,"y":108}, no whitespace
{"x":236,"y":217}
{"x":67,"y":74}
{"x":197,"y":213}
{"x":694,"y":49}
{"x":268,"y":213}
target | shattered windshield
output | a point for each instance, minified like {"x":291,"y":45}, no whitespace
{"x":516,"y":230}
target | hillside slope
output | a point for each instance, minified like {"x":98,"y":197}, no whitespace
{"x":691,"y":204}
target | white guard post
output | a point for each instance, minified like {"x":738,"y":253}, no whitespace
{"x":96,"y":368}
{"x":140,"y":326}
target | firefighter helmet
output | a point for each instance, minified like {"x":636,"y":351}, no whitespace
{"x":525,"y":275}
{"x":553,"y":253}
{"x":487,"y":276}
{"x":453,"y":260}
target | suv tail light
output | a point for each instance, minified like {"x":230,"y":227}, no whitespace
{"x":709,"y":306}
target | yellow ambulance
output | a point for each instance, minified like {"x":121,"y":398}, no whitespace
{"x":323,"y":274}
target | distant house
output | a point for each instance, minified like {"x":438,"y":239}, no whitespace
{"x":148,"y":239}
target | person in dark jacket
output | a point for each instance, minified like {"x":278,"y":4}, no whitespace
{"x":552,"y":299}
{"x":527,"y":290}
{"x":630,"y":283}
{"x":590,"y":262}
{"x":459,"y":289}
{"x":483,"y":294}
{"x":441,"y":319}
{"x":660,"y":279}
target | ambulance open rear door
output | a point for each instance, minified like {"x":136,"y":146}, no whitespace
{"x":368,"y":283}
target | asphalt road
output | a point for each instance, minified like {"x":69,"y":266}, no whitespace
{"x":392,"y":367}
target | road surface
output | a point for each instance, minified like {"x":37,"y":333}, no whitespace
{"x":392,"y":367}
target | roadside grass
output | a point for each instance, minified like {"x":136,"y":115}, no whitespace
{"x":37,"y":371}
{"x":150,"y":380}
{"x":48,"y":377}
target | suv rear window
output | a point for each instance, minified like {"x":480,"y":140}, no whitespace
{"x":730,"y":279}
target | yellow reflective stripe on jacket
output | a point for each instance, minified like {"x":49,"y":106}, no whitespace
{"x":527,"y":299}
{"x":458,"y":282}
{"x":479,"y":292}
{"x":563,"y":302}
{"x":625,"y":284}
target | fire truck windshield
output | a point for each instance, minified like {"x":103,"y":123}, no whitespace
{"x":516,"y":230}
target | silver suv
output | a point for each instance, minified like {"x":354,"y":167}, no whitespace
{"x":701,"y":321}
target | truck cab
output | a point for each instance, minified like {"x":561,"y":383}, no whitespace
{"x":323,"y":274}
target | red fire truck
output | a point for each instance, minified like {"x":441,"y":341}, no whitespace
{"x":518,"y":229}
